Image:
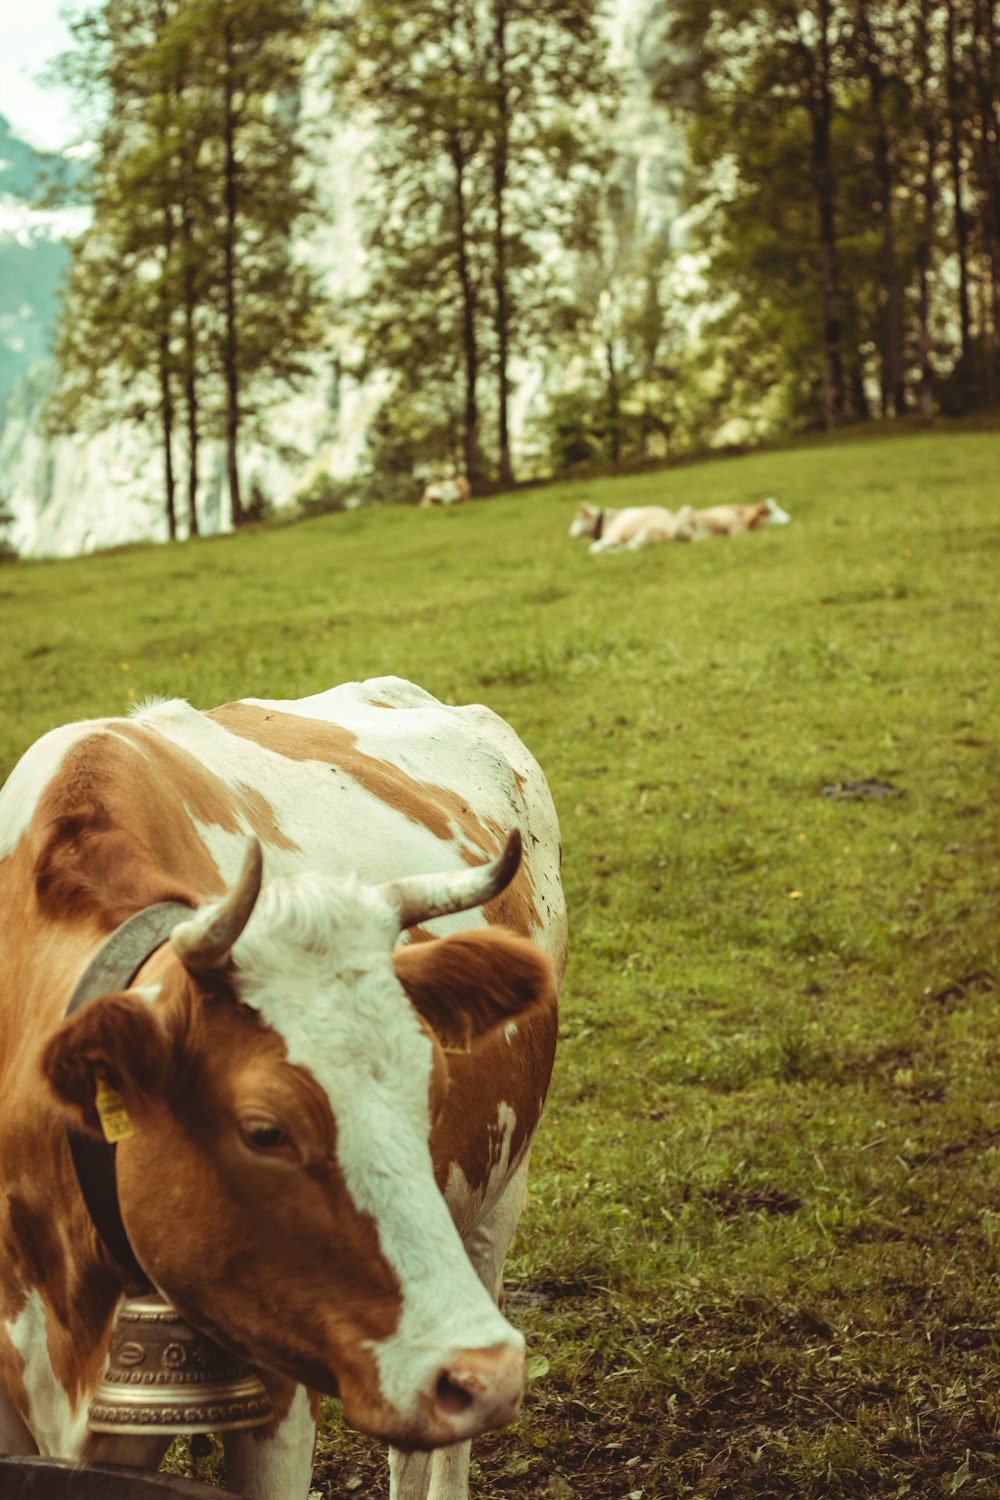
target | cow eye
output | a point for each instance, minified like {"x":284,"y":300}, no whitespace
{"x":264,"y":1136}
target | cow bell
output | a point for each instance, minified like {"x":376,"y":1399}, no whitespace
{"x":165,"y":1377}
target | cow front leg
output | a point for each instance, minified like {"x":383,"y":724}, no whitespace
{"x":441,"y":1475}
{"x":444,"y":1474}
{"x":275,"y":1462}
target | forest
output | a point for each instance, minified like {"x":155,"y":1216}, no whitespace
{"x":834,"y":257}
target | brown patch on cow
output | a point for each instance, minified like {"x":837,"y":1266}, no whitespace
{"x":515,"y":907}
{"x":472,"y":988}
{"x":260,"y":815}
{"x":37,"y":1254}
{"x":147,"y":851}
{"x":435,"y":808}
{"x":57,"y":1254}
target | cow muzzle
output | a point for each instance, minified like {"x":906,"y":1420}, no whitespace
{"x":470,"y":1392}
{"x":476,"y":1390}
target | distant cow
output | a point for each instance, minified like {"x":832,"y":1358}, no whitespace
{"x":328,"y":1125}
{"x":727,"y":520}
{"x":623,"y":530}
{"x":446,"y":492}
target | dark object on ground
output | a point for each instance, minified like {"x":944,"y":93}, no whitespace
{"x":53,"y":1479}
{"x":732,"y":1201}
{"x":859,"y":791}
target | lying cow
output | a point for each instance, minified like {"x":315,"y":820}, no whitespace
{"x":445,"y":492}
{"x":642,"y":525}
{"x":727,"y":520}
{"x":329,"y":1132}
{"x":622,"y":530}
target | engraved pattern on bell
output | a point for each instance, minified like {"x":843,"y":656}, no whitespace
{"x":165,"y":1376}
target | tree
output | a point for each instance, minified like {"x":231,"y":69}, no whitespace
{"x":869,"y":54}
{"x":189,"y":270}
{"x":480,"y":156}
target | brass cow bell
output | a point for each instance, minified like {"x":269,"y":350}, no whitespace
{"x":165,"y":1377}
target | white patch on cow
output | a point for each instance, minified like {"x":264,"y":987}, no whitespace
{"x":510,"y":1032}
{"x":56,"y":1427}
{"x":344,"y":827}
{"x":281,"y":1466}
{"x":29,"y":779}
{"x":779,"y":517}
{"x":469,"y":1206}
{"x":148,"y":992}
{"x":374,"y":1060}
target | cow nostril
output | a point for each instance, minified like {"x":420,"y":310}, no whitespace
{"x":452,"y":1399}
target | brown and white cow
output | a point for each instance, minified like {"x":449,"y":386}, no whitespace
{"x":446,"y":492}
{"x":727,"y":520}
{"x":643,"y":525}
{"x":622,"y":530}
{"x":330,"y":1128}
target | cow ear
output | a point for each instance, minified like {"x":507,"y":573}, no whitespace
{"x":466,"y":984}
{"x":117,"y":1039}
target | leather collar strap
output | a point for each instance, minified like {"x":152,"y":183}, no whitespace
{"x":113,"y":968}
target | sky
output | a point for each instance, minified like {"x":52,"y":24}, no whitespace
{"x":32,"y":32}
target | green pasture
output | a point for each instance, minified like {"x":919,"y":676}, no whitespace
{"x":761,"y":1252}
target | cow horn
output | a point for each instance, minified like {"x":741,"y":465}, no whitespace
{"x":421,"y":897}
{"x":205,"y":940}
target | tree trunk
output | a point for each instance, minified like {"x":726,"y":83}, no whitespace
{"x":614,"y":402}
{"x":230,"y":348}
{"x":501,"y":289}
{"x":167,"y":422}
{"x":470,"y":343}
{"x":819,"y":107}
{"x":894,"y":392}
{"x":957,"y":183}
{"x":925,"y":231}
{"x":985,"y":64}
{"x":190,"y":369}
{"x":166,"y":392}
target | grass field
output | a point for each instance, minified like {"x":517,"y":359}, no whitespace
{"x":762,"y":1252}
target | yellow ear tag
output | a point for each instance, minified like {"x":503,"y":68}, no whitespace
{"x":111,"y":1111}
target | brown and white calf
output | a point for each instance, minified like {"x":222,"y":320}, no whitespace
{"x":727,"y":520}
{"x":622,"y":530}
{"x":329,"y":1129}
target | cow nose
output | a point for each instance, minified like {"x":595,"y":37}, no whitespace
{"x":478,"y":1389}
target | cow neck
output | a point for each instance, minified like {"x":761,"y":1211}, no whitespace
{"x":113,"y":968}
{"x":599,"y":526}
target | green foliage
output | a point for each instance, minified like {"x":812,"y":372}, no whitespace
{"x":761,"y":1255}
{"x":325,"y":496}
{"x":484,"y":158}
{"x":903,"y":100}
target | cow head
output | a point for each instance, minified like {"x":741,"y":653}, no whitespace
{"x":278,"y":1185}
{"x":586,"y":520}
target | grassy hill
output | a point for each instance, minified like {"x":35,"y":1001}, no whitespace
{"x":761,"y":1253}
